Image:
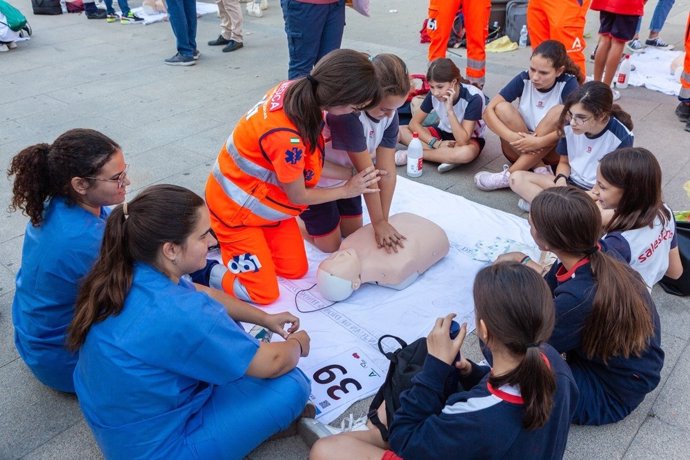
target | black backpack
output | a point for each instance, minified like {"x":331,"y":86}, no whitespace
{"x":681,"y":286}
{"x":406,"y":362}
{"x":46,"y":6}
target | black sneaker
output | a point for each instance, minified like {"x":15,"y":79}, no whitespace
{"x":687,"y":126}
{"x":683,"y":111}
{"x":658,"y":43}
{"x":197,"y":55}
{"x":219,"y":41}
{"x":232,"y":46}
{"x":178,"y":59}
{"x":98,"y":14}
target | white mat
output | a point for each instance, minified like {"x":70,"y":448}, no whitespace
{"x":653,"y":71}
{"x":201,"y":9}
{"x":476,"y":233}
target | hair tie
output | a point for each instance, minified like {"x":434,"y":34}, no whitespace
{"x":312,"y":80}
{"x":124,"y":210}
{"x":592,"y":250}
{"x":371,"y":58}
{"x":532,"y":345}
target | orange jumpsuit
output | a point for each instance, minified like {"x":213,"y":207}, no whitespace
{"x":476,"y":12}
{"x":561,"y":20}
{"x":252,"y":217}
{"x":684,"y":94}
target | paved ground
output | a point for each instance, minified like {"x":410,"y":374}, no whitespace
{"x":171,"y":122}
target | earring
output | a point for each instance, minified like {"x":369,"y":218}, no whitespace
{"x":174,"y":262}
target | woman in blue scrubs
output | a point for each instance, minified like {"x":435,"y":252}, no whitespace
{"x":63,"y":187}
{"x":164,"y":370}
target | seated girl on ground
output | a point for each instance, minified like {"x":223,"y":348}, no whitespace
{"x":528,"y":397}
{"x":529,"y":132}
{"x":591,"y":126}
{"x":458,"y":137}
{"x":636,"y":220}
{"x":606,"y":322}
{"x":64,"y":188}
{"x":164,"y":370}
{"x":354,"y":142}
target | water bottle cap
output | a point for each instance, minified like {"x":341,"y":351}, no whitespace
{"x":415,"y":135}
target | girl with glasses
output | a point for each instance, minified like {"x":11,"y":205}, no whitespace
{"x":591,"y":126}
{"x":64,"y":188}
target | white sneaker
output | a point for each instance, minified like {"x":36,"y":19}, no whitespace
{"x":400,"y":157}
{"x":543,"y":170}
{"x":4,"y":48}
{"x":522,"y":204}
{"x":486,"y":180}
{"x":616,"y":94}
{"x":11,"y":45}
{"x":312,"y":430}
{"x":445,"y":167}
{"x":254,"y":9}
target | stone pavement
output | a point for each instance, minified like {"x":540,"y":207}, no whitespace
{"x":171,"y":123}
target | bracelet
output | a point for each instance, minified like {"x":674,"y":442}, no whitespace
{"x":558,"y":176}
{"x":525,"y":260}
{"x":432,"y":141}
{"x":301,"y":350}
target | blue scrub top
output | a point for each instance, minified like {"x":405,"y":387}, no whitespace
{"x":144,"y":375}
{"x":56,"y":255}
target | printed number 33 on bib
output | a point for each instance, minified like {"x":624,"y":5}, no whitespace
{"x":244,"y":263}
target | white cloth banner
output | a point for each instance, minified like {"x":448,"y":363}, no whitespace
{"x":477,"y":235}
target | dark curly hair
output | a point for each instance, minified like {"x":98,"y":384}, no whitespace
{"x":45,"y":170}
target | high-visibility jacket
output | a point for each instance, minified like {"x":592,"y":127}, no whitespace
{"x":684,"y":94}
{"x":264,"y":150}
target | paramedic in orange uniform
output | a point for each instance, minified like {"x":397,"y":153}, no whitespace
{"x":266,"y":172}
{"x":560,"y":20}
{"x":476,"y":13}
{"x":683,"y":109}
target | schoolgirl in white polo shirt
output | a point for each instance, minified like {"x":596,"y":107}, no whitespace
{"x":637,"y":222}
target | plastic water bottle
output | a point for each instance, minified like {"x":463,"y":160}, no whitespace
{"x":522,"y":42}
{"x":623,"y":76}
{"x":63,"y":6}
{"x":415,"y":157}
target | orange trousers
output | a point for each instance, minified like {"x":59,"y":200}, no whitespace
{"x":476,"y":12}
{"x":561,"y":20}
{"x":685,"y":76}
{"x":255,"y":256}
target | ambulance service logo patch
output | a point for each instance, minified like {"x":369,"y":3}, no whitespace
{"x":293,"y":155}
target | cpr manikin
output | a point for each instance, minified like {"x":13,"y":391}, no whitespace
{"x":359,"y":260}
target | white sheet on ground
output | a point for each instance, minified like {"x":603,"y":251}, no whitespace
{"x":477,"y":235}
{"x":201,"y":9}
{"x":653,"y":71}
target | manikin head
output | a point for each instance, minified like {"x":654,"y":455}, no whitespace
{"x":339,"y":275}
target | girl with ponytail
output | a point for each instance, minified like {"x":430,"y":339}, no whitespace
{"x":266,"y":173}
{"x":529,"y":132}
{"x":528,"y":396}
{"x":164,"y":368}
{"x":64,"y":188}
{"x":606,"y":322}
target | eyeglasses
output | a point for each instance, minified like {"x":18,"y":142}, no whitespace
{"x":120,"y":177}
{"x":577,"y":120}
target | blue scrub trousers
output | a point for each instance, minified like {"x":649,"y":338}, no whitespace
{"x":243,"y":414}
{"x":663,"y":8}
{"x":312,"y":31}
{"x":182,"y":17}
{"x":596,"y":406}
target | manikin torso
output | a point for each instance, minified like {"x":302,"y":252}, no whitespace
{"x":359,"y":260}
